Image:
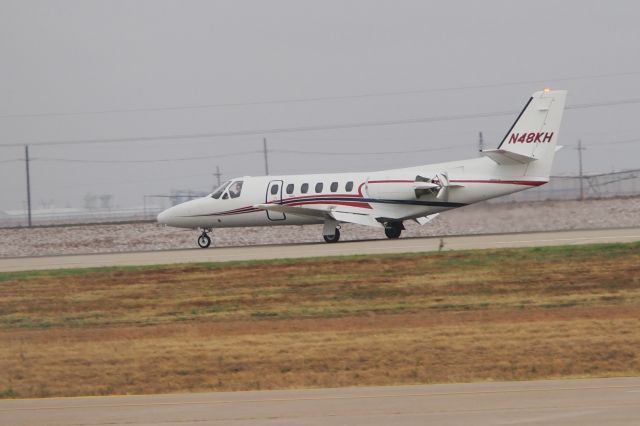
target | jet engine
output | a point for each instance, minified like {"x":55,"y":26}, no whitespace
{"x":409,"y":189}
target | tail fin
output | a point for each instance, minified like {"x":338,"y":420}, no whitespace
{"x":531,"y":140}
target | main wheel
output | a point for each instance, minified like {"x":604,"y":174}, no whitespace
{"x":204,"y":241}
{"x":393,"y":230}
{"x":332,"y":238}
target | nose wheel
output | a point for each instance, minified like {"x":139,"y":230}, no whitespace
{"x":204,"y":240}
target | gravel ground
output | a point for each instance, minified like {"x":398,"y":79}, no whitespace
{"x":483,"y":218}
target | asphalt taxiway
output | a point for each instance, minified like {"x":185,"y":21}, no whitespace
{"x":556,"y":402}
{"x":402,"y":245}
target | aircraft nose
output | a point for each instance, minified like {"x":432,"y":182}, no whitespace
{"x":165,"y":216}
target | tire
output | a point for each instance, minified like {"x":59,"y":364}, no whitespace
{"x":332,"y":238}
{"x":393,"y":230}
{"x":204,"y":241}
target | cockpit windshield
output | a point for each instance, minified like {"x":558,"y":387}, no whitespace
{"x":218,"y":192}
{"x":235,"y":189}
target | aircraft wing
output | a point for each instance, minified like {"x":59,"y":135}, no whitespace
{"x":325,"y":213}
{"x":426,"y":219}
{"x":359,"y":218}
{"x":303,"y":211}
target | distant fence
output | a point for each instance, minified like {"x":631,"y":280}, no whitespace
{"x":605,"y":185}
{"x":76,"y":217}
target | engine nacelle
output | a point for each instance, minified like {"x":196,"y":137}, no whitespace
{"x":403,"y":189}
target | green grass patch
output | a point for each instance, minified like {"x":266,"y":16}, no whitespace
{"x":475,"y":280}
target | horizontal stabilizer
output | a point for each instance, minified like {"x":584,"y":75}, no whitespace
{"x":504,"y":157}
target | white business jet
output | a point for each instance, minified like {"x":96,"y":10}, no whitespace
{"x":384,"y":199}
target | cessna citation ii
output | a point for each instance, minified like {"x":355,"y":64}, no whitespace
{"x":387,"y":198}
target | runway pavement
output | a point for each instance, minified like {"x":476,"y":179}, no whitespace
{"x":401,"y":245}
{"x":558,"y":402}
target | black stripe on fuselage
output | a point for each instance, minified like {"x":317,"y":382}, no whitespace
{"x":415,"y":203}
{"x":328,"y":200}
{"x":376,"y":200}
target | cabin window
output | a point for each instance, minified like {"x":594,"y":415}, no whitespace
{"x":304,"y":188}
{"x":274,"y":189}
{"x":334,"y":186}
{"x":349,"y":186}
{"x":218,"y":192}
{"x":235,"y":189}
{"x":290,"y":188}
{"x":318,"y":187}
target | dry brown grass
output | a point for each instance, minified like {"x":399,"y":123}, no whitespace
{"x":465,"y":316}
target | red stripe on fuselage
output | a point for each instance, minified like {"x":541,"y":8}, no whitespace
{"x":504,"y":182}
{"x":391,"y":181}
{"x":341,"y":203}
{"x":508,"y":182}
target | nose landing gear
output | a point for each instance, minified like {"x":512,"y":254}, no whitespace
{"x":204,"y":240}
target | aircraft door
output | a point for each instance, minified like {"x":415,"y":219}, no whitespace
{"x":274,"y":196}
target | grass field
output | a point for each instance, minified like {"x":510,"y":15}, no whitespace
{"x":372,"y":320}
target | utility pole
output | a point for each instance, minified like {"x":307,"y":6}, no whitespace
{"x":26,"y":161}
{"x":217,"y":174}
{"x":480,"y":143}
{"x":266,"y":158}
{"x":580,"y":149}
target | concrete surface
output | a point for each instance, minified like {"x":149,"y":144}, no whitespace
{"x":402,"y":245}
{"x":558,"y":402}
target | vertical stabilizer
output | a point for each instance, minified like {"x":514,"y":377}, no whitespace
{"x":534,"y":134}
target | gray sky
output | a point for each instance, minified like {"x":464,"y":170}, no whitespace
{"x":61,"y":60}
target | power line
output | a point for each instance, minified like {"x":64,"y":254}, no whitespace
{"x":608,"y":143}
{"x":362,"y":153}
{"x":218,"y":175}
{"x":594,"y":175}
{"x":279,"y":151}
{"x":338,"y":126}
{"x":318,"y":98}
{"x":26,"y":164}
{"x":161,"y":160}
{"x":266,"y":156}
{"x":580,"y":149}
{"x":268,"y":130}
{"x":286,"y":151}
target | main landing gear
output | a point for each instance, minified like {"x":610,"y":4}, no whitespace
{"x":393,"y":229}
{"x":332,"y":238}
{"x":331,"y":231}
{"x":204,"y":240}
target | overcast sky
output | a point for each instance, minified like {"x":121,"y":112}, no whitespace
{"x":89,"y":70}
